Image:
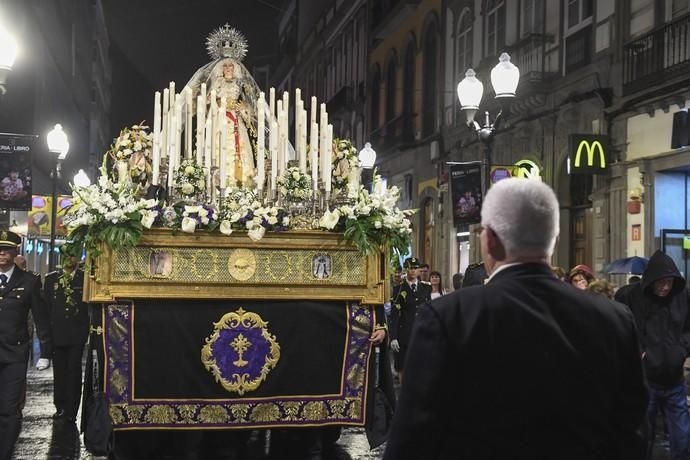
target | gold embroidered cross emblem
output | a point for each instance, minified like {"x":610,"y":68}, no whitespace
{"x":240,"y":344}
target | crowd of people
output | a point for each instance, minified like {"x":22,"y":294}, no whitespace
{"x":520,"y":360}
{"x":592,"y":365}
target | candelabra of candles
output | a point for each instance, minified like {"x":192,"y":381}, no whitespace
{"x":217,"y":149}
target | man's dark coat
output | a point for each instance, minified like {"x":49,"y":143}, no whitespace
{"x":525,"y":367}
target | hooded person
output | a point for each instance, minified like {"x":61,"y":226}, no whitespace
{"x":660,"y":306}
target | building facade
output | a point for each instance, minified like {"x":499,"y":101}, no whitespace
{"x":61,"y":75}
{"x":605,"y":68}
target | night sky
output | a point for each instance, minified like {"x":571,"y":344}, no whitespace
{"x":154,"y":42}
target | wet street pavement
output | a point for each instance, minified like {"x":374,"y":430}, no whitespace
{"x":41,"y":438}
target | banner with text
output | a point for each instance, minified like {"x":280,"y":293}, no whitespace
{"x":466,"y":191}
{"x":15,"y":171}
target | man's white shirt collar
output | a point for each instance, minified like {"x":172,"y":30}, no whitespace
{"x":501,"y":268}
{"x":8,"y":273}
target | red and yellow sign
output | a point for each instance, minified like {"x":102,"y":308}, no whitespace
{"x":41,"y":213}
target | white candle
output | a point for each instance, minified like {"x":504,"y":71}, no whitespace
{"x":207,"y":151}
{"x":188,"y":123}
{"x":178,"y":131}
{"x":313,"y":110}
{"x":223,"y":131}
{"x":260,"y":141}
{"x":164,"y":124}
{"x":272,"y":103}
{"x":171,"y":148}
{"x":286,"y":104}
{"x":329,"y":156}
{"x":202,"y":93}
{"x":156,"y":153}
{"x":215,"y":129}
{"x":273,"y":149}
{"x":303,"y":141}
{"x":314,"y":158}
{"x":298,"y":129}
{"x":279,"y":136}
{"x":171,"y":104}
{"x":200,"y":125}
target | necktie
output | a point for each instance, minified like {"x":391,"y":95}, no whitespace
{"x":414,"y":287}
{"x":3,"y":280}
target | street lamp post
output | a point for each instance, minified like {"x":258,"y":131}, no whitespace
{"x":59,"y":146}
{"x":367,"y":159}
{"x":505,"y":77}
{"x":8,"y":52}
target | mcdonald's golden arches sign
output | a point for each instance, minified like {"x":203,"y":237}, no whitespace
{"x":589,"y":154}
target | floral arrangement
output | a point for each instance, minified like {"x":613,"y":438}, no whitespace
{"x":294,"y":185}
{"x":133,"y":148}
{"x":345,"y":165}
{"x":374,"y":221}
{"x":190,"y":179}
{"x":106,"y":212}
{"x":242,"y":211}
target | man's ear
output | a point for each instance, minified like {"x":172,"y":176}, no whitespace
{"x":495,"y":245}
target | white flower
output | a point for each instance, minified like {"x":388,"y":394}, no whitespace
{"x":272,"y":220}
{"x":188,"y":225}
{"x":286,"y":221}
{"x":147,"y":218}
{"x":329,"y":219}
{"x":365,"y":210}
{"x":137,"y":146}
{"x":189,"y":170}
{"x":295,"y":175}
{"x":226,"y":227}
{"x":127,"y":152}
{"x":235,"y":217}
{"x":204,"y":220}
{"x":187,"y":188}
{"x":256,"y":233}
{"x":201,"y":184}
{"x":202,"y":212}
{"x":377,"y":224}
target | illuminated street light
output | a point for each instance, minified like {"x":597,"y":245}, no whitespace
{"x":58,"y":145}
{"x":8,"y":53}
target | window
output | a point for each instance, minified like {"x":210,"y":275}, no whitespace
{"x":408,"y":92}
{"x":579,"y":13}
{"x":375,"y":98}
{"x":579,"y":45}
{"x":463,"y":44}
{"x":495,"y":27}
{"x":430,"y":81}
{"x":391,"y":74}
{"x":532,"y":20}
{"x":678,"y":8}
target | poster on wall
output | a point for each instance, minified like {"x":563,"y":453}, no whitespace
{"x":41,"y":214}
{"x":15,"y":171}
{"x":466,"y":191}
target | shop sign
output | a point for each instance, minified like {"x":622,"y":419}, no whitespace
{"x":588,"y":154}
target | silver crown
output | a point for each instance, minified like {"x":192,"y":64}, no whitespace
{"x":226,"y":42}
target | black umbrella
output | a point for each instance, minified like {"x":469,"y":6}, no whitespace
{"x":627,"y":266}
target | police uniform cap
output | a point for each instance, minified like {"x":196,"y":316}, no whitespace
{"x":9,"y":239}
{"x":411,"y":262}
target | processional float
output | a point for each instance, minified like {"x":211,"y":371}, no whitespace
{"x":239,"y":266}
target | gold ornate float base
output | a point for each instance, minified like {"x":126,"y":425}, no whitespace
{"x":309,"y":265}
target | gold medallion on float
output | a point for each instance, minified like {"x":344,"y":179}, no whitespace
{"x":242,"y":264}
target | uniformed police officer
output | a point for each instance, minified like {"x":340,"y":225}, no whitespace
{"x":69,"y":325}
{"x":20,"y":292}
{"x":411,"y":293}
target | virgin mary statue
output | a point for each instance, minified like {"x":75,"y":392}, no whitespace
{"x":230,"y":81}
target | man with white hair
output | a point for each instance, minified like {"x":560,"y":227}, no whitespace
{"x":525,"y":366}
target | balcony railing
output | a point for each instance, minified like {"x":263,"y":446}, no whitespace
{"x":529,"y":56}
{"x":659,"y":55}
